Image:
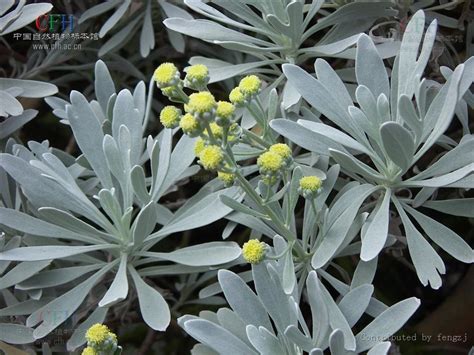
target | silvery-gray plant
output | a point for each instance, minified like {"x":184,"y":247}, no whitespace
{"x":272,"y":211}
{"x":269,"y":210}
{"x":10,"y":88}
{"x":15,"y":116}
{"x":71,"y":222}
{"x":78,"y":221}
{"x":271,"y":321}
{"x":144,"y":15}
{"x":17,"y":15}
{"x":448,"y":17}
{"x":392,"y":125}
{"x":277,"y":33}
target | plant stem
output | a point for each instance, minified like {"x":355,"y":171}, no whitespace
{"x":282,"y":229}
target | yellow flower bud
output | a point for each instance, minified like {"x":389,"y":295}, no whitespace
{"x":254,"y":251}
{"x":169,"y":116}
{"x":211,"y":157}
{"x":202,"y":105}
{"x":310,"y":183}
{"x":281,"y":149}
{"x":309,"y":186}
{"x":101,"y":339}
{"x":197,"y":71}
{"x":98,"y":333}
{"x":189,"y":125}
{"x":270,"y":162}
{"x":250,"y":85}
{"x":226,"y":178}
{"x":225,"y":109}
{"x":224,"y":113}
{"x":166,"y":75}
{"x":236,"y":97}
{"x":197,"y":76}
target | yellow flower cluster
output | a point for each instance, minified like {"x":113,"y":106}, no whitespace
{"x":248,"y":88}
{"x":254,"y":251}
{"x":211,"y":120}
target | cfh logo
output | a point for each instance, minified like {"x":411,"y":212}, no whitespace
{"x":50,"y":22}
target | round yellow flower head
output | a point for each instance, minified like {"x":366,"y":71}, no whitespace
{"x":236,"y":97}
{"x":250,"y":85}
{"x":199,"y":146}
{"x":225,"y":109}
{"x":98,"y":333}
{"x":224,"y":113}
{"x":270,"y":162}
{"x":101,"y":339}
{"x":202,"y":105}
{"x":312,"y":183}
{"x":197,"y":76}
{"x":281,"y":149}
{"x":254,"y":251}
{"x":89,"y":351}
{"x":211,"y":157}
{"x":309,"y":186}
{"x":166,"y":75}
{"x":169,"y":116}
{"x":197,"y":71}
{"x":190,"y":125}
{"x":226,"y":178}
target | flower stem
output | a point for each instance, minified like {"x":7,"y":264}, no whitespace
{"x":282,"y":229}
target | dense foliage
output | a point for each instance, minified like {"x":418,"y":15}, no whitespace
{"x":260,"y":188}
